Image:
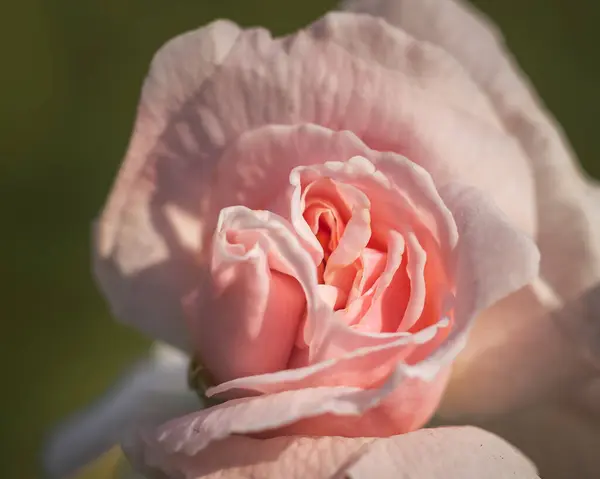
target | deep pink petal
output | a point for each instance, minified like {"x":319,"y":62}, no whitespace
{"x":262,"y":282}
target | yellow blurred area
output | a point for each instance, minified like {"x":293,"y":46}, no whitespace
{"x":105,"y":467}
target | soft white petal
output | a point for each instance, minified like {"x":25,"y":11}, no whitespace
{"x":156,"y":386}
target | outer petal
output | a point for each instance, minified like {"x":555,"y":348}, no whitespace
{"x":494,"y":259}
{"x":341,"y":411}
{"x":144,"y":242}
{"x":329,"y":411}
{"x":498,"y":372}
{"x":449,"y":453}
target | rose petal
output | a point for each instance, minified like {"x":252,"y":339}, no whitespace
{"x":143,"y":256}
{"x":395,"y":49}
{"x":494,"y":259}
{"x":342,"y":411}
{"x":443,"y":453}
{"x":415,"y":269}
{"x":449,"y":453}
{"x":255,"y":294}
{"x":493,"y":374}
{"x":392,"y":110}
{"x":360,"y":368}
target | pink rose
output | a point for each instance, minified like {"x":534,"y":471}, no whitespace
{"x":317,"y":219}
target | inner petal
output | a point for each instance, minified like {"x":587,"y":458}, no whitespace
{"x":326,"y":224}
{"x":326,"y":212}
{"x":383,"y":303}
{"x":339,"y":217}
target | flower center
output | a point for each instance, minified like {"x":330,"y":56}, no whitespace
{"x":349,"y":267}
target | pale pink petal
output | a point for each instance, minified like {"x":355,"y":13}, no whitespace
{"x":349,"y":210}
{"x":400,"y":404}
{"x":524,"y":381}
{"x":190,"y":434}
{"x":493,"y":258}
{"x":424,"y":63}
{"x":443,"y":453}
{"x":369,"y":288}
{"x":415,"y":270}
{"x":449,"y":453}
{"x":374,"y":263}
{"x":516,"y":355}
{"x":146,"y":235}
{"x":332,"y":296}
{"x":355,"y":238}
{"x":382,"y":308}
{"x":404,"y":195}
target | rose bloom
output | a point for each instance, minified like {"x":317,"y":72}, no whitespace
{"x":318,"y":220}
{"x":314,"y":198}
{"x":330,"y":217}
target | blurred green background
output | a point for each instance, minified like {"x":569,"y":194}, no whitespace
{"x":70,"y":78}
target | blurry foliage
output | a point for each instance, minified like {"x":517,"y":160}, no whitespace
{"x":69,"y":82}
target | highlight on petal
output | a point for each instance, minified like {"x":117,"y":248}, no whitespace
{"x":448,"y":453}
